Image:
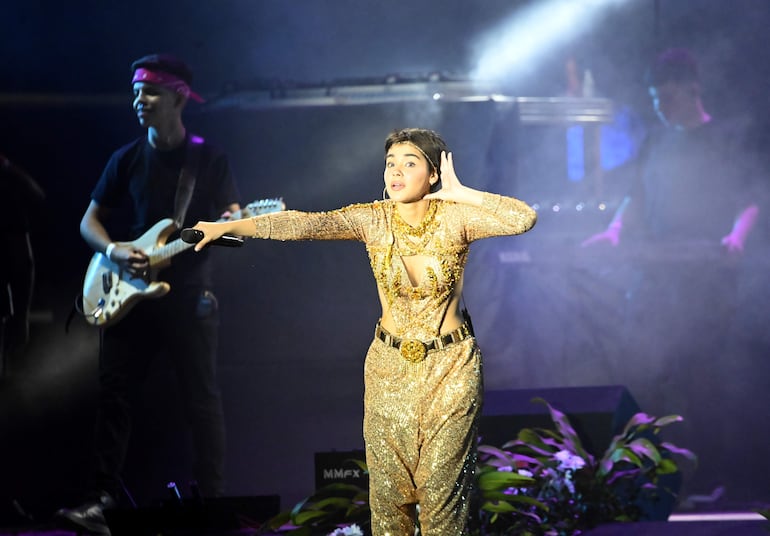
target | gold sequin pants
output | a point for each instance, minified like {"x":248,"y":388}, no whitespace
{"x":420,"y":432}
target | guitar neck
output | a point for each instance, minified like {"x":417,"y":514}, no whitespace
{"x":163,"y":254}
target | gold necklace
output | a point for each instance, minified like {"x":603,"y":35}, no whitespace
{"x":412,"y":240}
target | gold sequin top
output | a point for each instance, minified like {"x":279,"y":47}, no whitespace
{"x":443,"y":238}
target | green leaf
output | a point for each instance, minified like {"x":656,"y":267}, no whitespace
{"x":625,"y":454}
{"x":529,"y":460}
{"x":667,"y":466}
{"x":668,"y":419}
{"x":606,"y":465}
{"x":529,"y":437}
{"x":568,"y":433}
{"x":644,"y":447}
{"x":559,"y":419}
{"x":498,"y":507}
{"x":638,"y":419}
{"x":552,"y":437}
{"x":502,"y":480}
{"x":678,"y":450}
{"x":505,"y":506}
{"x":494,"y":456}
{"x":628,"y":473}
{"x":496,"y":495}
{"x":360,"y":463}
{"x":302,"y":518}
{"x":481,"y":469}
{"x":530,"y":442}
{"x":298,"y":507}
{"x":525,"y":499}
{"x":497,"y":465}
{"x":493,"y":451}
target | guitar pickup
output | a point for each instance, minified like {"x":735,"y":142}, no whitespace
{"x":107,"y":282}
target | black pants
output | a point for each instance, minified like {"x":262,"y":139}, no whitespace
{"x":183,"y":325}
{"x":678,"y":334}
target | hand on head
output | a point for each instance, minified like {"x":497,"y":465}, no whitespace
{"x":450,"y":183}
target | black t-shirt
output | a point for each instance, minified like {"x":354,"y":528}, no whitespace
{"x":691,"y":184}
{"x":142,"y":182}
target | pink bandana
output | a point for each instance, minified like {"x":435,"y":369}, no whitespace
{"x":167,"y":80}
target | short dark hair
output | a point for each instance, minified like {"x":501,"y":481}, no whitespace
{"x":672,"y":65}
{"x":165,"y":63}
{"x":428,"y":141}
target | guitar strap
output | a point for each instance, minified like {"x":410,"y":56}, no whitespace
{"x":187,"y":175}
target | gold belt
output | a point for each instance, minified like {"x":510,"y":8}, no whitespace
{"x":415,"y":350}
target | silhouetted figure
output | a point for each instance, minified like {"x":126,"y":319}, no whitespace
{"x":20,"y":198}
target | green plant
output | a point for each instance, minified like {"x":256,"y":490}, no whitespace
{"x":543,"y":483}
{"x":338,"y":509}
{"x":546,"y":483}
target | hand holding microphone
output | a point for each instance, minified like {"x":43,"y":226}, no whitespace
{"x":196,"y":236}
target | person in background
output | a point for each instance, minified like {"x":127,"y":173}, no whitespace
{"x":674,"y":169}
{"x":20,"y":197}
{"x":150,"y":176}
{"x":684,"y":227}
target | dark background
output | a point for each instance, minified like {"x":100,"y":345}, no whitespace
{"x":298,"y":317}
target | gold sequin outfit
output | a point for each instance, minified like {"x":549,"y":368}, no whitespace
{"x":419,"y":418}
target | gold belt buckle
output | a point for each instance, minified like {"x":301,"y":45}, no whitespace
{"x":413,"y":350}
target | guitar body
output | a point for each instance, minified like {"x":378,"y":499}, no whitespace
{"x":109,"y":292}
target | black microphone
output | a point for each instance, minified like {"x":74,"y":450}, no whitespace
{"x":193,"y":236}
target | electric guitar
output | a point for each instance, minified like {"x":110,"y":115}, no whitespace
{"x":110,"y":291}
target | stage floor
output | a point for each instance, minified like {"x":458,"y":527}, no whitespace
{"x":693,"y":524}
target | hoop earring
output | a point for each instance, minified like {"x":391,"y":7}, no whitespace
{"x":385,"y":194}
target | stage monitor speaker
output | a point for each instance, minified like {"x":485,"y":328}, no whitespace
{"x":194,"y":517}
{"x":337,"y":467}
{"x":597,"y":413}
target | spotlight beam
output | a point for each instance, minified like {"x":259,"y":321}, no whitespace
{"x":509,"y":49}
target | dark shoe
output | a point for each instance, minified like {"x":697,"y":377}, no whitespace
{"x":88,"y":516}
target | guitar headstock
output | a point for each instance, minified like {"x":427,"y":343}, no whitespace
{"x":261,"y":206}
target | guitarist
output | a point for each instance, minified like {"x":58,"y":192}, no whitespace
{"x":150,"y":177}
